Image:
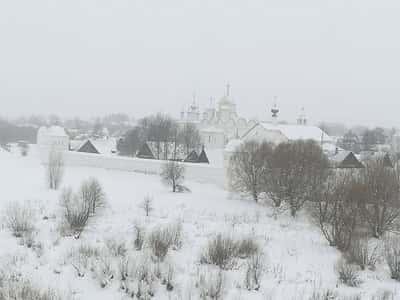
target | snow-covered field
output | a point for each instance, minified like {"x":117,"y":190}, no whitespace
{"x":298,"y":261}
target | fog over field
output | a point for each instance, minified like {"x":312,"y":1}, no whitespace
{"x":339,"y":59}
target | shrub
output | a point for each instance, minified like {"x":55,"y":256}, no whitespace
{"x":104,"y":271}
{"x":383,"y":295}
{"x":347,"y":273}
{"x":359,"y":253}
{"x":211,"y":285}
{"x":163,"y":239}
{"x":246,"y":247}
{"x":83,"y":258}
{"x":319,"y":294}
{"x":116,"y":248}
{"x":174,"y":233}
{"x":159,"y":242}
{"x":25,"y":290}
{"x":139,"y":237}
{"x":19,"y":219}
{"x":91,"y":192}
{"x":392,"y":256}
{"x":220,"y":251}
{"x":76,"y":212}
{"x":254,"y":272}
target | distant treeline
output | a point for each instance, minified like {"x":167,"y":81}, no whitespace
{"x":10,"y":133}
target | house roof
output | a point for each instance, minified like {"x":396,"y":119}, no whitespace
{"x":298,"y":132}
{"x":346,"y":160}
{"x":88,"y":147}
{"x":53,"y":131}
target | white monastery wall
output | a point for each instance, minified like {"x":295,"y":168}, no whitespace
{"x":197,"y":172}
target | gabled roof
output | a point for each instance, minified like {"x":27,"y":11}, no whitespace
{"x":88,"y":147}
{"x":203,"y":157}
{"x":298,"y":132}
{"x":346,"y":160}
{"x":192,"y":157}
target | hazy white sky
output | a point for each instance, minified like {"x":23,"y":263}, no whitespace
{"x":338,"y":58}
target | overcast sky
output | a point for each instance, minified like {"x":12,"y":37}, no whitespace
{"x":339,"y":59}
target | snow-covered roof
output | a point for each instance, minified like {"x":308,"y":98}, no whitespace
{"x":52,"y":131}
{"x":299,"y":132}
{"x":104,"y":146}
{"x":340,"y":156}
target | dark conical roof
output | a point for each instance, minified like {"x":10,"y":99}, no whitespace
{"x":88,"y":147}
{"x":145,"y":152}
{"x":203,"y":157}
{"x":192,"y":157}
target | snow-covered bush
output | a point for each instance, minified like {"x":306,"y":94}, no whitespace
{"x":76,"y":212}
{"x":211,"y":284}
{"x":319,"y":294}
{"x":55,"y":169}
{"x":139,"y":237}
{"x":174,"y":233}
{"x":116,"y":248}
{"x":104,"y":270}
{"x":83,"y":258}
{"x":254,"y":271}
{"x":221,"y":251}
{"x":392,"y":256}
{"x":25,"y":290}
{"x":384,"y":295}
{"x":362,"y":254}
{"x":347,"y":273}
{"x":91,"y":192}
{"x":161,"y":240}
{"x":19,"y":218}
{"x":246,"y":247}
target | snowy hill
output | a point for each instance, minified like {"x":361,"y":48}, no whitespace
{"x":297,"y":260}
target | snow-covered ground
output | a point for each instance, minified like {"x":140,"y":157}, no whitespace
{"x":298,"y":261}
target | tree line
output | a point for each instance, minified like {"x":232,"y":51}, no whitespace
{"x":344,"y":203}
{"x":163,"y":131}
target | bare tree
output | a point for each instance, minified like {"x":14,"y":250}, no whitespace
{"x":173,"y":174}
{"x":92,"y":192}
{"x":76,"y":212}
{"x":55,"y":169}
{"x":337,"y":209}
{"x":249,"y":166}
{"x":299,"y":170}
{"x":147,"y":205}
{"x":381,"y":208}
{"x":190,"y":137}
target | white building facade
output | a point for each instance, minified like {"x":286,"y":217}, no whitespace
{"x":53,"y":137}
{"x":218,"y":124}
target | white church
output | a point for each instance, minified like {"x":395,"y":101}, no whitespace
{"x":221,"y":124}
{"x":217,"y":124}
